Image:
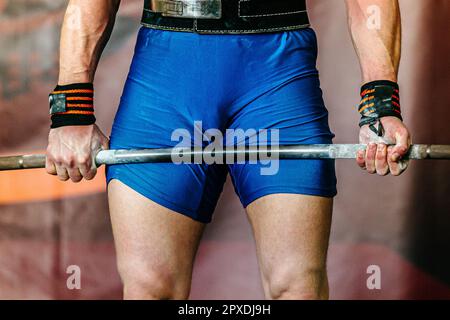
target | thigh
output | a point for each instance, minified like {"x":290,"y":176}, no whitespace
{"x":152,"y":242}
{"x":291,"y":233}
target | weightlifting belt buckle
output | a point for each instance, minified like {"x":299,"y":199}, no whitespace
{"x":194,"y":9}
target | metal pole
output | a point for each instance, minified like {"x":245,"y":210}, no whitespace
{"x":192,"y":155}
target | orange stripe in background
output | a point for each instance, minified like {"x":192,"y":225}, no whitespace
{"x":36,"y":185}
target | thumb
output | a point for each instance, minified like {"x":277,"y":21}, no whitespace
{"x":105,"y":143}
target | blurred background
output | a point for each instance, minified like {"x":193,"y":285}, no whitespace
{"x":400,"y":224}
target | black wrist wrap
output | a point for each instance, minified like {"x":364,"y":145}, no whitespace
{"x":379,"y":99}
{"x":72,"y":105}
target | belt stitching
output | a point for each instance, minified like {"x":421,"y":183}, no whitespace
{"x":155,"y":26}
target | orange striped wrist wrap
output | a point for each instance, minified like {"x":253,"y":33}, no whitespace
{"x":72,"y":105}
{"x":379,"y":99}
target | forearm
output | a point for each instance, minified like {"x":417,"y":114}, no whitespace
{"x":378,"y":49}
{"x":86,"y":30}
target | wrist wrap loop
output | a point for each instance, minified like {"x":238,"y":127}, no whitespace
{"x":72,"y":105}
{"x":379,"y":99}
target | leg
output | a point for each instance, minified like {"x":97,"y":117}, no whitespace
{"x":282,"y":92}
{"x":157,"y":226}
{"x":155,"y":246}
{"x":291,"y":233}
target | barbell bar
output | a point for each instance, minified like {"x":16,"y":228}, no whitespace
{"x":228,"y":155}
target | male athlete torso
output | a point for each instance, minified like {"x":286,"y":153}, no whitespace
{"x":223,"y":66}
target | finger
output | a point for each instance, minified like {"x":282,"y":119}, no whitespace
{"x":402,"y":145}
{"x":396,"y":168}
{"x":105,"y":144}
{"x":71,"y":167}
{"x":74,"y":174}
{"x":62,"y":173}
{"x":87,"y":170}
{"x":360,"y":159}
{"x":370,"y":157}
{"x":50,"y":166}
{"x":381,"y":164}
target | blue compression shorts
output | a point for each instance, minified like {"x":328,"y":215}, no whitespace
{"x":252,"y":81}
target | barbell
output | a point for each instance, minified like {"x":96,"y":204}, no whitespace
{"x":227,"y":155}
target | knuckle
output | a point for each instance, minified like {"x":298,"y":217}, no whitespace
{"x":58,"y":159}
{"x":69,"y":161}
{"x":83,"y":159}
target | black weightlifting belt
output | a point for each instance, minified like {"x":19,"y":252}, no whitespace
{"x":225,"y":16}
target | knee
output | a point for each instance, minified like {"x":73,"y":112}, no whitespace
{"x":293,"y":284}
{"x":153,"y":283}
